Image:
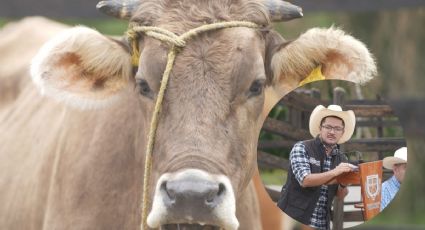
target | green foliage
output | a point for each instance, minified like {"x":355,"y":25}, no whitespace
{"x":292,"y":29}
{"x":4,"y":21}
{"x":273,"y":177}
{"x":279,"y":112}
{"x":105,"y":26}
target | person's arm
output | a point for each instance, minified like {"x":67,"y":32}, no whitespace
{"x":333,"y":181}
{"x":385,"y":196}
{"x":300,"y":164}
{"x":317,"y":179}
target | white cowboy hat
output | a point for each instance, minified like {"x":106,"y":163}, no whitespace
{"x":400,"y":157}
{"x":333,"y":110}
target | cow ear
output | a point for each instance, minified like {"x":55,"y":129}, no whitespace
{"x":82,"y":67}
{"x":321,"y":54}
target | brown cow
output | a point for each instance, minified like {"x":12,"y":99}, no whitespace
{"x":66,"y":168}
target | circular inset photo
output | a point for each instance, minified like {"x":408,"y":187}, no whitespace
{"x":331,"y":155}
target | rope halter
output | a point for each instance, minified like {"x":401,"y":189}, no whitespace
{"x":177,"y":43}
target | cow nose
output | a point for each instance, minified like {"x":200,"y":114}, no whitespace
{"x":195,"y":198}
{"x":189,"y":193}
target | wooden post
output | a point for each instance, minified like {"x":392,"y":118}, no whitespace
{"x":313,"y":93}
{"x":295,"y":117}
{"x":338,"y":96}
{"x":380,"y":130}
{"x":338,"y":214}
{"x":338,"y":205}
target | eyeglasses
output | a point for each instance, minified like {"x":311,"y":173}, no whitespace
{"x":336,"y":129}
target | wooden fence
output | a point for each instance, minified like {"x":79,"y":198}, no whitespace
{"x":373,"y":116}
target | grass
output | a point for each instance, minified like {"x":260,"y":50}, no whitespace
{"x":4,"y":21}
{"x":273,"y":177}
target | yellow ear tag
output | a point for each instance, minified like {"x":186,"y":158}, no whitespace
{"x":315,"y":75}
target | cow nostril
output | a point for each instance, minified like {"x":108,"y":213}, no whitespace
{"x":214,"y":197}
{"x":171,"y":194}
{"x":221,"y":189}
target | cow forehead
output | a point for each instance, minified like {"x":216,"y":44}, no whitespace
{"x":228,"y":52}
{"x":186,"y":13}
{"x":242,"y":37}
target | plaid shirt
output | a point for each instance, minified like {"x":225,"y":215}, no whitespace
{"x":301,"y":168}
{"x":389,"y":189}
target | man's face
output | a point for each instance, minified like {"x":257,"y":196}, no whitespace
{"x":399,"y":171}
{"x":331,"y":130}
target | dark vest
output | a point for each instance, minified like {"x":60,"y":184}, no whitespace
{"x":298,"y":202}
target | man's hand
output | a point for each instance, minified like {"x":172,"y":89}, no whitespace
{"x":343,"y":168}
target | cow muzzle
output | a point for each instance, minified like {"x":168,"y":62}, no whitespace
{"x":193,"y":199}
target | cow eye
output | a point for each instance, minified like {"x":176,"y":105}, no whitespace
{"x":256,"y":87}
{"x":143,"y":88}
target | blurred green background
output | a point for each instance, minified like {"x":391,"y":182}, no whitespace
{"x":397,"y":39}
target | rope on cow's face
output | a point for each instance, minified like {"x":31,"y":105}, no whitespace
{"x":177,"y":43}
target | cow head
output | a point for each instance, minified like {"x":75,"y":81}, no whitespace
{"x":205,"y":146}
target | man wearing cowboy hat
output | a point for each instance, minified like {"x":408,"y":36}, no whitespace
{"x":398,"y":164}
{"x":314,"y":164}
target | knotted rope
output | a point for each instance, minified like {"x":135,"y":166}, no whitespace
{"x":177,"y":43}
